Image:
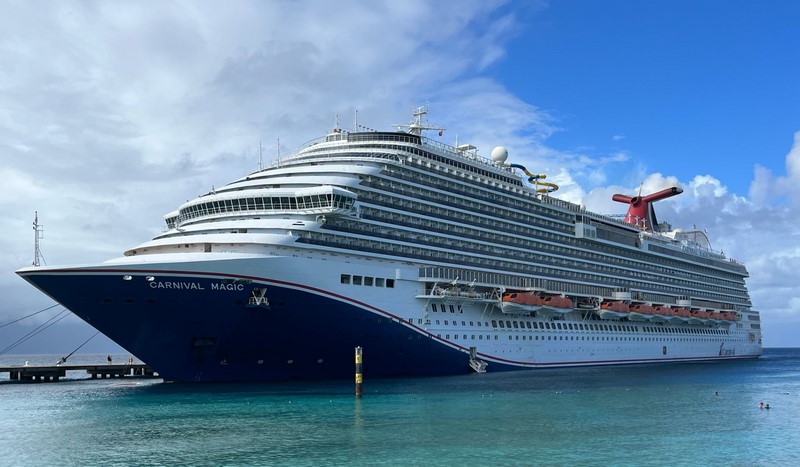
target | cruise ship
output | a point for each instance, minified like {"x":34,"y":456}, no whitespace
{"x":433,"y":259}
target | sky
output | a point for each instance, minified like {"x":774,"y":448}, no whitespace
{"x":112,"y":114}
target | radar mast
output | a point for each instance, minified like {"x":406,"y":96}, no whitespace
{"x":418,"y":125}
{"x":38,"y":230}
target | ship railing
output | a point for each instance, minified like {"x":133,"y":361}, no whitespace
{"x":562,"y":204}
{"x":458,"y":278}
{"x":469,"y":292}
{"x":546,"y":199}
{"x":691,"y":249}
{"x":322,"y":139}
{"x":210,"y":214}
{"x":510,"y":282}
{"x":464,"y":156}
{"x":716,"y":261}
{"x":333,"y":154}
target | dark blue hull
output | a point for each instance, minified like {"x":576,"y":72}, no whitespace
{"x":197,"y":333}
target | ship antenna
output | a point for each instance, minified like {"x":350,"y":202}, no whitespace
{"x":260,"y":157}
{"x":38,"y":235}
{"x":417,"y":125}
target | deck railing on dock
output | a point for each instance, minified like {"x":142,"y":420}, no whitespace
{"x":42,"y":373}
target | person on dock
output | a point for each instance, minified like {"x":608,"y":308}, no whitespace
{"x":109,"y":359}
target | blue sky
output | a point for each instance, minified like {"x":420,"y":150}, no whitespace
{"x":113,"y":114}
{"x":684,"y":87}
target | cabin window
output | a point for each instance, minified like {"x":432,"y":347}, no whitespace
{"x":345,"y":278}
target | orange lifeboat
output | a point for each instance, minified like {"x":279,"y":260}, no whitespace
{"x":614,"y":309}
{"x":520,"y":302}
{"x":715,"y":315}
{"x":617,"y":306}
{"x":556,"y":305}
{"x":531,"y":299}
{"x":641,"y":312}
{"x":680,"y":315}
{"x":698,"y":316}
{"x":682,"y":312}
{"x":702,"y":314}
{"x":557,"y":301}
{"x":662,"y":313}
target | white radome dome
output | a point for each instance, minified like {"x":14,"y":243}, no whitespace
{"x":499,"y":154}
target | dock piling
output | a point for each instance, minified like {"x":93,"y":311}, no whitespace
{"x":359,"y":377}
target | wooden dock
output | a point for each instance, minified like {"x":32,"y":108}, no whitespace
{"x":46,"y":373}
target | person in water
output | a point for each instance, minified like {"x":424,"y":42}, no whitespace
{"x":760,"y":405}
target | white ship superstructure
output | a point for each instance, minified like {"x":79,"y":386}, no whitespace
{"x":434,"y":259}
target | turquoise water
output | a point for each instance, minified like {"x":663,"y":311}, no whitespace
{"x":643,"y":415}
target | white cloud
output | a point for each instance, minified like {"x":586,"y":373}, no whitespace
{"x":114,"y":114}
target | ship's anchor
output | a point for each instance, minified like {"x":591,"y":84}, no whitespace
{"x":475,"y":363}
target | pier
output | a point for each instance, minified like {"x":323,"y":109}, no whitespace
{"x":48,"y":373}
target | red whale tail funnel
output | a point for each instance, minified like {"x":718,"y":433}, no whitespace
{"x":641,"y":212}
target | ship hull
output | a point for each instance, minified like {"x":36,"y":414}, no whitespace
{"x":197,"y":321}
